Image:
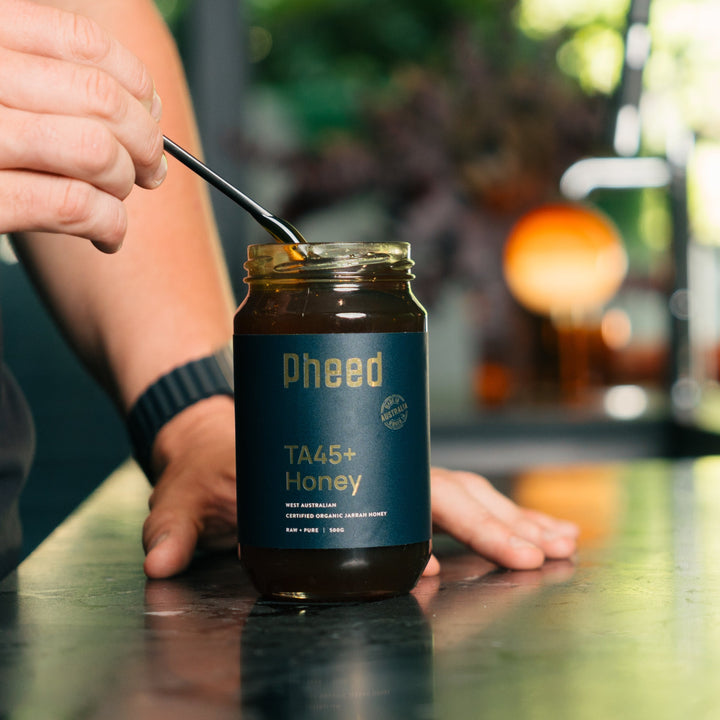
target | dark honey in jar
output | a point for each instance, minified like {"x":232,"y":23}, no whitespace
{"x":332,"y":427}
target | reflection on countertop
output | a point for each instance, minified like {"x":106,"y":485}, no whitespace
{"x":630,"y":629}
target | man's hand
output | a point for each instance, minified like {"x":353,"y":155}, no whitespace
{"x":470,"y":509}
{"x":193,"y":503}
{"x":78,"y":125}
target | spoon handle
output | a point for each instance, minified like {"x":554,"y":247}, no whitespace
{"x":280,"y":229}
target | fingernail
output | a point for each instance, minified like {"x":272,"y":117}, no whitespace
{"x":159,"y":539}
{"x":161,"y":172}
{"x":156,"y":107}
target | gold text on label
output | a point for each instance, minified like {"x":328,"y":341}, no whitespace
{"x":331,"y":372}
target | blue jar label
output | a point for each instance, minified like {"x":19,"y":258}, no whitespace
{"x":332,"y":440}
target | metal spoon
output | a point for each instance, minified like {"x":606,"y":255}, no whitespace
{"x":280,"y":229}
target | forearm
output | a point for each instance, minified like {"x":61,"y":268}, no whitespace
{"x":164,"y":298}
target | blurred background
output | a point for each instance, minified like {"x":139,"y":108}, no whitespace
{"x":556,"y":167}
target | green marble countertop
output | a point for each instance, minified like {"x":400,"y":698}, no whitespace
{"x":631,"y":629}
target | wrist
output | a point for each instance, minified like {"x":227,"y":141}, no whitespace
{"x":172,"y":395}
{"x":201,"y":425}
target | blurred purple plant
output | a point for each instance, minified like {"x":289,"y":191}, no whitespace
{"x":453,"y":156}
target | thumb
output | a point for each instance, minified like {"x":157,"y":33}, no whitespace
{"x":432,"y":568}
{"x":169,"y":546}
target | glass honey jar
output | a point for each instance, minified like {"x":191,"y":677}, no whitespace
{"x":332,"y":427}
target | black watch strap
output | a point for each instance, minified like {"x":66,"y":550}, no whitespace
{"x":172,"y":393}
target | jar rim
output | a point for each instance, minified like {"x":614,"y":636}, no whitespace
{"x":329,"y":260}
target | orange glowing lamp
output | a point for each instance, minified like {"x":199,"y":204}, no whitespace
{"x":564,"y":260}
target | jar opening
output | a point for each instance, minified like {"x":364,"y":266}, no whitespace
{"x":330,"y":260}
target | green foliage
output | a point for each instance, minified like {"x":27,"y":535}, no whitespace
{"x":330,"y":60}
{"x":172,"y":10}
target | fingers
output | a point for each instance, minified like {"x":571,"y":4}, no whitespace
{"x":32,"y":201}
{"x":78,"y":125}
{"x":193,"y":504}
{"x":554,"y":525}
{"x":470,"y":509}
{"x":48,"y":86}
{"x":63,"y":146}
{"x":39,"y":30}
{"x":550,"y":534}
{"x":459,"y":513}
